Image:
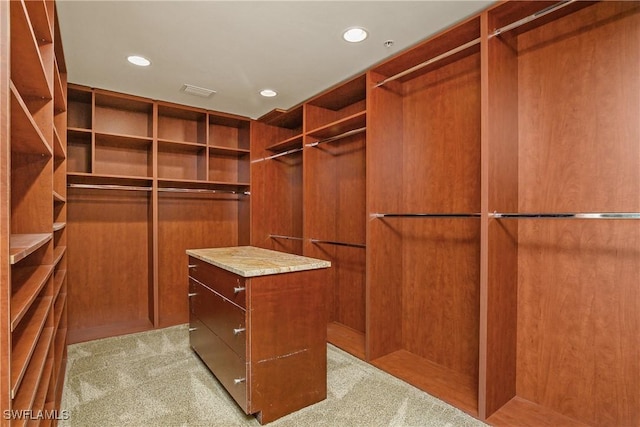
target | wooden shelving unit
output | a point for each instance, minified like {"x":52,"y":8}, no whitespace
{"x":160,"y":177}
{"x":33,"y":220}
{"x":512,"y":318}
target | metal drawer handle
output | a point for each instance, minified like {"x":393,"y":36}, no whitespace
{"x":193,"y":329}
{"x":192,"y":294}
{"x":238,"y":289}
{"x":192,"y":265}
{"x":238,"y":330}
{"x":238,"y":380}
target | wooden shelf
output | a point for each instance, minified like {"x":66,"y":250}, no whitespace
{"x":524,"y":413}
{"x":57,"y":226}
{"x":105,"y":179}
{"x":44,"y":381}
{"x":26,"y":136}
{"x":171,"y":145}
{"x":81,"y":131}
{"x":25,"y":395}
{"x":205,"y":185}
{"x":109,"y":138}
{"x":26,"y":339}
{"x":57,"y":198}
{"x":59,"y":151}
{"x":23,"y":245}
{"x":443,"y":383}
{"x":347,"y":339}
{"x":41,"y":19}
{"x":59,"y":307}
{"x":27,"y":68}
{"x":353,"y":122}
{"x":287,"y":144}
{"x":226,"y":151}
{"x":59,"y":96}
{"x":58,"y":252}
{"x":26,"y":283}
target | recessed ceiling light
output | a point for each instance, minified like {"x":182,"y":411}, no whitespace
{"x":355,"y":34}
{"x":269,"y":93}
{"x":140,"y":61}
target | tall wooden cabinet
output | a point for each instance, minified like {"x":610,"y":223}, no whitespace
{"x":33,"y":213}
{"x":497,"y":191}
{"x":147,"y":180}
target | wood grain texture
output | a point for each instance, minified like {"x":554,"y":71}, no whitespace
{"x":188,"y":222}
{"x":109,"y":258}
{"x":384,"y":194}
{"x":567,"y":163}
{"x":500,"y":159}
{"x":31,"y":194}
{"x":5,"y":207}
{"x":441,"y":131}
{"x":440,"y":304}
{"x":578,"y":329}
{"x":451,"y":386}
{"x":287,"y":347}
{"x":578,"y":151}
{"x":276,"y":193}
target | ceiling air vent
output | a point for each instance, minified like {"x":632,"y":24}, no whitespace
{"x":197,"y":91}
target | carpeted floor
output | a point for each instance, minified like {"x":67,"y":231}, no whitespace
{"x":154,"y":379}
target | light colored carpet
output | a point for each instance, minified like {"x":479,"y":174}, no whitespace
{"x":154,"y":379}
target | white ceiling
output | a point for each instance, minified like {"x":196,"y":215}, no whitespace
{"x":238,"y":48}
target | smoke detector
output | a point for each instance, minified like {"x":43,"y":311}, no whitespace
{"x":197,"y":91}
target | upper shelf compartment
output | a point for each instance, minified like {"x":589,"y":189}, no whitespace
{"x":333,"y":107}
{"x":289,"y":124}
{"x":228,"y":134}
{"x":181,"y":124}
{"x":123,"y":115}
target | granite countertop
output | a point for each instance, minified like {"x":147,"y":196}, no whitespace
{"x":249,"y":261}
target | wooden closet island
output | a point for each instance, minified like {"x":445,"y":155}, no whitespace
{"x":258,"y":321}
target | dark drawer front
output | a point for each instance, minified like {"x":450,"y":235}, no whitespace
{"x":225,"y":364}
{"x":222,"y":317}
{"x":227,"y":284}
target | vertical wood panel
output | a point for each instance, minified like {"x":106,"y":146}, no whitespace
{"x":188,"y":222}
{"x":384,"y":257}
{"x":109,"y":253}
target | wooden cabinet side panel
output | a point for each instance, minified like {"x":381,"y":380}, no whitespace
{"x":383,"y":186}
{"x":287,"y":342}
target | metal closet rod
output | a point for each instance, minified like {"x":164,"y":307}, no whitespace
{"x":110,"y":187}
{"x":496,"y":32}
{"x":202,"y":190}
{"x":425,"y":215}
{"x":567,"y":215}
{"x":334,"y":138}
{"x":532,"y":17}
{"x":331,"y":242}
{"x":279,"y":236}
{"x":284,"y":153}
{"x":428,"y":62}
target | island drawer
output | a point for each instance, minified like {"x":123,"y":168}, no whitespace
{"x":227,"y":284}
{"x":223,"y":362}
{"x":222,"y":317}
